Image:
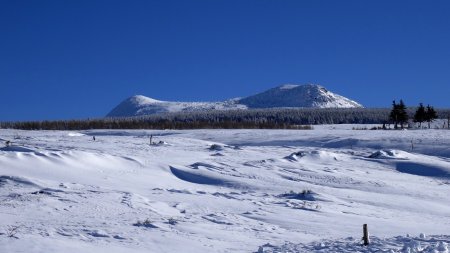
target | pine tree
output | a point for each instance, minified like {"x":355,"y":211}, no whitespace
{"x":420,"y":115}
{"x":402,"y":114}
{"x":393,"y":116}
{"x":398,"y":114}
{"x":448,"y":120}
{"x":430,"y":115}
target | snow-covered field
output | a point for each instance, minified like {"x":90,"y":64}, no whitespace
{"x":225,"y":190}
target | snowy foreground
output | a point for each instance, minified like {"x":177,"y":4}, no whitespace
{"x":253,"y":191}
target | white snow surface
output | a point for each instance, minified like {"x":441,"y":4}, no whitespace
{"x":225,"y":190}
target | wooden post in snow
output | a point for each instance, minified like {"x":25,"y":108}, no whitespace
{"x":365,"y":235}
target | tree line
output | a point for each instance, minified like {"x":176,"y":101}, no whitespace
{"x":399,"y":115}
{"x":274,"y":118}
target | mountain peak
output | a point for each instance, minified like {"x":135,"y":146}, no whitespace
{"x":290,"y":86}
{"x":295,"y":95}
{"x":136,"y":105}
{"x":287,"y":86}
{"x":140,"y":99}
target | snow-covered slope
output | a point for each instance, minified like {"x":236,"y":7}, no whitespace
{"x":225,"y":190}
{"x":141,"y":105}
{"x":292,"y":95}
{"x":288,"y":95}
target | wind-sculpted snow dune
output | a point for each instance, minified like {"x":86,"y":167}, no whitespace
{"x":224,"y":190}
{"x":415,"y":164}
{"x":399,"y":244}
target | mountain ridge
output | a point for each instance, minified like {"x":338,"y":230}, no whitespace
{"x":286,"y":95}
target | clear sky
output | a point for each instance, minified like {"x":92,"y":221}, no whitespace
{"x":80,"y":58}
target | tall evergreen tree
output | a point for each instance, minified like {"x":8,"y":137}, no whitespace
{"x":402,"y":114}
{"x":393,"y":116}
{"x":420,"y":115}
{"x":430,"y":115}
{"x":448,"y":120}
{"x":398,"y":114}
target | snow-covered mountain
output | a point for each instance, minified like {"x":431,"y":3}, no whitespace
{"x":288,"y":95}
{"x":141,"y":105}
{"x":293,"y":95}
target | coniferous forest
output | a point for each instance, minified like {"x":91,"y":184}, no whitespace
{"x":276,"y":118}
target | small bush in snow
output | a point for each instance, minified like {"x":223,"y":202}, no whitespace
{"x":303,"y":195}
{"x":146,"y":223}
{"x":11,"y":231}
{"x":215,"y":147}
{"x":172,"y":221}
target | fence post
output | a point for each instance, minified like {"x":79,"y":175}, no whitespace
{"x":365,"y":235}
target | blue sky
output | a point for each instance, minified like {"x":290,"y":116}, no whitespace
{"x":78,"y":59}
